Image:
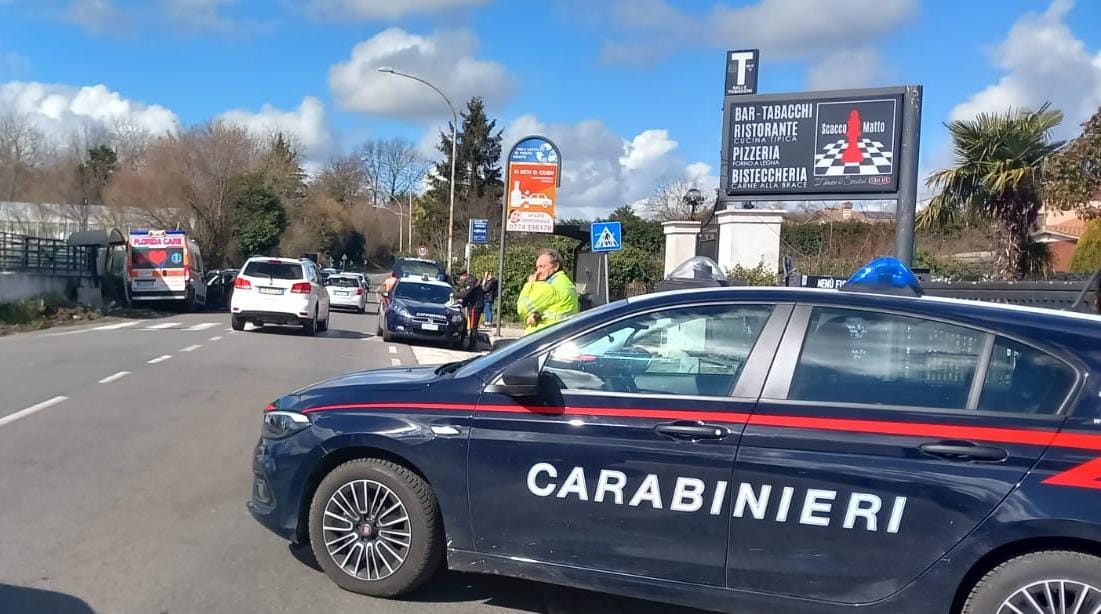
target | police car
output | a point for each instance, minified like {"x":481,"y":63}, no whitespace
{"x":734,"y":449}
{"x":418,"y":308}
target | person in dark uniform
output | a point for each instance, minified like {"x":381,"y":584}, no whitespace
{"x":471,"y":296}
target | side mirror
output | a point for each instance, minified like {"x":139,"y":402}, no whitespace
{"x":520,"y":379}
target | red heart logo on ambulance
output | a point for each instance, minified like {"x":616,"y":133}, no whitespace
{"x":158,"y":257}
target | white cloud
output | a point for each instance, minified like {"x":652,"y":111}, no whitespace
{"x":383,"y":9}
{"x":782,"y":29}
{"x":197,"y":15}
{"x":849,"y":68}
{"x":306,"y":125}
{"x":601,"y":170}
{"x":59,"y":109}
{"x":1043,"y":61}
{"x":446,"y":60}
{"x":99,"y":16}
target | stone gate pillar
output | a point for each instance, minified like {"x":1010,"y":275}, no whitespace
{"x":680,"y":242}
{"x":749,"y":237}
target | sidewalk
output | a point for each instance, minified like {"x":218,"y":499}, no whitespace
{"x":488,"y":336}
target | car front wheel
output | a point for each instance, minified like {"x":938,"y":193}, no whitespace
{"x":1051,"y":581}
{"x":375,"y":528}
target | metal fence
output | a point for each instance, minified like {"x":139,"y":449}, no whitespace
{"x":21,"y":253}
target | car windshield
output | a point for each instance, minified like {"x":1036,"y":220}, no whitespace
{"x":342,"y":282}
{"x":416,"y":268}
{"x":425,"y":293}
{"x":274,"y":270}
{"x":533,"y":340}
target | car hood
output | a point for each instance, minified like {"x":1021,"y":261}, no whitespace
{"x":360,"y":386}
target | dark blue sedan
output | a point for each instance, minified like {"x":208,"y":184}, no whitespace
{"x":420,"y":309}
{"x":735,"y":449}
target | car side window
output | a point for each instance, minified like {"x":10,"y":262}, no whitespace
{"x":1022,"y":379}
{"x":696,"y":351}
{"x":852,"y":356}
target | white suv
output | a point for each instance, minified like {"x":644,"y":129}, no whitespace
{"x":280,"y":291}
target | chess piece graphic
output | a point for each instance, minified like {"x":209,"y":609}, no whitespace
{"x":852,"y":154}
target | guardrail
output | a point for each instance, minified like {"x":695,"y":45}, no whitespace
{"x":21,"y":253}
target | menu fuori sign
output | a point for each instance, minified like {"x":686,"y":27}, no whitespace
{"x":840,"y":145}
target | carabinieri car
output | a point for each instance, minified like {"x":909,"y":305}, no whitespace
{"x":734,"y":449}
{"x":418,"y":308}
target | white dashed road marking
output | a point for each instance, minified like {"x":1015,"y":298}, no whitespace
{"x":392,"y":349}
{"x":114,"y":378}
{"x":215,"y":338}
{"x":116,"y":326}
{"x":160,"y":359}
{"x":395,"y":361}
{"x":203,"y":326}
{"x":23,"y":413}
{"x":191,"y":348}
{"x":163,"y":326}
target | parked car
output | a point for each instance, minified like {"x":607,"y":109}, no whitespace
{"x":280,"y":291}
{"x":421,"y":309}
{"x":347,"y":291}
{"x":363,"y":281}
{"x":219,"y":287}
{"x":869,"y":449}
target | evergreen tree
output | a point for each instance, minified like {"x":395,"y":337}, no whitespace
{"x":478,"y":183}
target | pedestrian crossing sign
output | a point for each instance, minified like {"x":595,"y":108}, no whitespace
{"x":606,"y":236}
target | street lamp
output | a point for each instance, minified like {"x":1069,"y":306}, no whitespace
{"x":454,"y":125}
{"x":693,"y":198}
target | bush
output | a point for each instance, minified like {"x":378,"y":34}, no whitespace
{"x":31,"y":310}
{"x":1087,"y":255}
{"x":759,"y":275}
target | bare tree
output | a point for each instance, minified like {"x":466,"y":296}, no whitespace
{"x":187,"y":180}
{"x":344,"y":180}
{"x":23,"y":149}
{"x":391,"y":168}
{"x":666,"y":202}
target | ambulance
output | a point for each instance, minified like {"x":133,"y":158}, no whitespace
{"x":165,"y":266}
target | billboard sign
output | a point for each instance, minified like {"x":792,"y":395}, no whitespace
{"x":534,"y":167}
{"x":479,"y":231}
{"x":813,"y":145}
{"x":741,"y":71}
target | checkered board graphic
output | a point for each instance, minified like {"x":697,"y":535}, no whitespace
{"x":876,"y":160}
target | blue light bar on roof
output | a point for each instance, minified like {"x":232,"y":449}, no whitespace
{"x":884,"y":276}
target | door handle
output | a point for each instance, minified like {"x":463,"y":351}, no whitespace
{"x":964,"y":451}
{"x":692,"y":430}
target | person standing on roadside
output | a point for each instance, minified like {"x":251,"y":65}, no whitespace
{"x":386,"y":288}
{"x":549,"y":296}
{"x":472,"y":297}
{"x":489,"y":286}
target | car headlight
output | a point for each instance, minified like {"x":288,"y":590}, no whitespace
{"x":456,"y":316}
{"x":280,"y":424}
{"x":400,"y":309}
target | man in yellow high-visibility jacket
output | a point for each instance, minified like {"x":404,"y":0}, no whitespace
{"x":549,"y":296}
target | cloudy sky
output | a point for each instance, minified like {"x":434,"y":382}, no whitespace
{"x":629,"y":89}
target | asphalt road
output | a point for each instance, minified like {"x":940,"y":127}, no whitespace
{"x":125,"y":466}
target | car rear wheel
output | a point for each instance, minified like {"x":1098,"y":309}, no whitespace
{"x":309,"y":327}
{"x":1051,"y":581}
{"x":375,"y":528}
{"x":237,"y":322}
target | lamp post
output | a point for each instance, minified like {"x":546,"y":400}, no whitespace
{"x":454,"y":126}
{"x":693,"y":198}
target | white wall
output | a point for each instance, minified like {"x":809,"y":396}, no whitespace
{"x":19,"y":286}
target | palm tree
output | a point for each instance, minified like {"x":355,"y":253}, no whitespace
{"x":997,"y":179}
